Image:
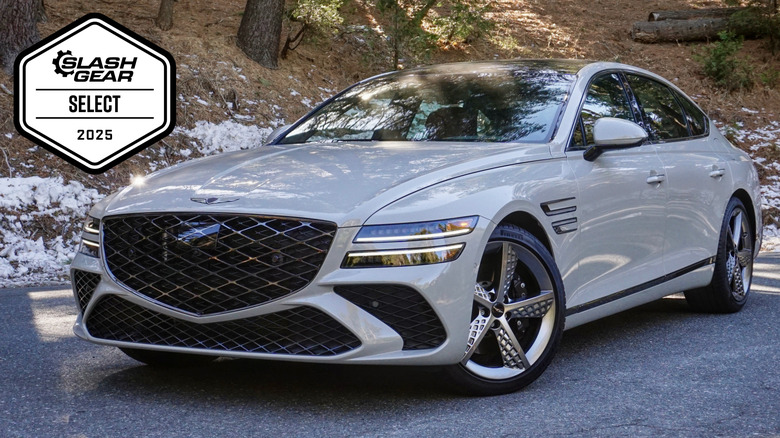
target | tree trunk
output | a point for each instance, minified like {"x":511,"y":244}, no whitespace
{"x":678,"y":30}
{"x":692,"y":14}
{"x":165,"y":16}
{"x":261,"y":31}
{"x":42,"y":16}
{"x":17,"y":29}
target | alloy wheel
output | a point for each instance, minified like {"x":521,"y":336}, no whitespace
{"x":739,"y":255}
{"x":513,"y":314}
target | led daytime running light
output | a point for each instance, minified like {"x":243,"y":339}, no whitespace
{"x":90,"y":243}
{"x":403,"y":257}
{"x":92,"y":225}
{"x":89,"y":248}
{"x":416,"y":231}
{"x":404,"y":251}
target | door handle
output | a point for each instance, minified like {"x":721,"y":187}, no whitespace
{"x":653,"y":179}
{"x":717,"y":173}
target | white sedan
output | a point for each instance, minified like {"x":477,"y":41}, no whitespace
{"x":459,"y":215}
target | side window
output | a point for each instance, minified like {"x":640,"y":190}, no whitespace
{"x":663,"y":116}
{"x":606,"y":98}
{"x":696,"y":119}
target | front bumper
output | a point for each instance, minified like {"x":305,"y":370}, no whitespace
{"x":446,"y":287}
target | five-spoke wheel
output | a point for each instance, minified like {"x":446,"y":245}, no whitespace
{"x":739,"y":254}
{"x":730,"y":284}
{"x":516,"y":318}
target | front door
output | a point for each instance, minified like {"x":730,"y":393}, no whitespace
{"x":621,"y":206}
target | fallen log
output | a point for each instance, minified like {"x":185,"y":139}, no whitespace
{"x":692,"y":14}
{"x":678,"y":30}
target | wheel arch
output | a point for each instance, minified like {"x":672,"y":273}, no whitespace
{"x":528,"y":222}
{"x":747,"y":201}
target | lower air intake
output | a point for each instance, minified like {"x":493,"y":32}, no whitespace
{"x":402,"y":308}
{"x":84,"y":283}
{"x":302,"y":331}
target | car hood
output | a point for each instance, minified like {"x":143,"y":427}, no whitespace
{"x":342,"y":182}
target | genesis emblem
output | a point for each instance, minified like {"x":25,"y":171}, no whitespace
{"x":209,"y":201}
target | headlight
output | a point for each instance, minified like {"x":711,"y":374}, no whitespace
{"x":92,"y":225}
{"x":416,"y":231}
{"x":89,"y":248}
{"x":402,"y":257}
{"x":90,"y":237}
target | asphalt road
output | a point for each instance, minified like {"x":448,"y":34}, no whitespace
{"x":656,"y":370}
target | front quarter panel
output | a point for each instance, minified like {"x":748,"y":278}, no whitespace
{"x":495,"y":194}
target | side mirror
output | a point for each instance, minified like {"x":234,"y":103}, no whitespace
{"x":612,"y":133}
{"x":275,"y":133}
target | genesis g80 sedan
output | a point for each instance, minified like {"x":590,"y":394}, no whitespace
{"x":459,"y":215}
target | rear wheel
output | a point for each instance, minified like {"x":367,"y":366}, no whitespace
{"x":517,"y":316}
{"x":166,"y":359}
{"x":730,"y":284}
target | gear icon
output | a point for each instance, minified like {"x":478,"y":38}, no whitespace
{"x":56,"y":63}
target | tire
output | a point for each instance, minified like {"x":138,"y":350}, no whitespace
{"x":730,"y":286}
{"x":166,"y":359}
{"x":528,"y":316}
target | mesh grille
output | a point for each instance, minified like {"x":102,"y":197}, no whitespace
{"x":403,"y":309}
{"x":206,"y":264}
{"x":300,"y":331}
{"x":84,"y":283}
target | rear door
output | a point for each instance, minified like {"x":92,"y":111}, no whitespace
{"x":697,"y":177}
{"x":620,"y":205}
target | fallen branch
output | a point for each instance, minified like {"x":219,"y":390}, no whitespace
{"x":678,"y":30}
{"x":692,"y":14}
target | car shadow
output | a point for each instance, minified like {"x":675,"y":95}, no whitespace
{"x":283,"y":382}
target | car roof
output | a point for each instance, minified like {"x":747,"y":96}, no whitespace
{"x":564,"y":66}
{"x":571,"y":66}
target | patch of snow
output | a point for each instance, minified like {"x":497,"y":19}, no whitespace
{"x":226,"y":136}
{"x":28,"y":204}
{"x":294,"y":93}
{"x":9,"y":135}
{"x":749,"y":111}
{"x":771,"y":240}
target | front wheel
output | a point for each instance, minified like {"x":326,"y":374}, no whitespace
{"x":517,"y":316}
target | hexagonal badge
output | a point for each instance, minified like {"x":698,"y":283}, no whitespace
{"x":95,"y":93}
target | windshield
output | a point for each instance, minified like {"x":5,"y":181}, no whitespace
{"x":503,"y":103}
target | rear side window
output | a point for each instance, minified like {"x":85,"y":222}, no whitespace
{"x":606,"y":98}
{"x":696,"y":119}
{"x":662,"y":114}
